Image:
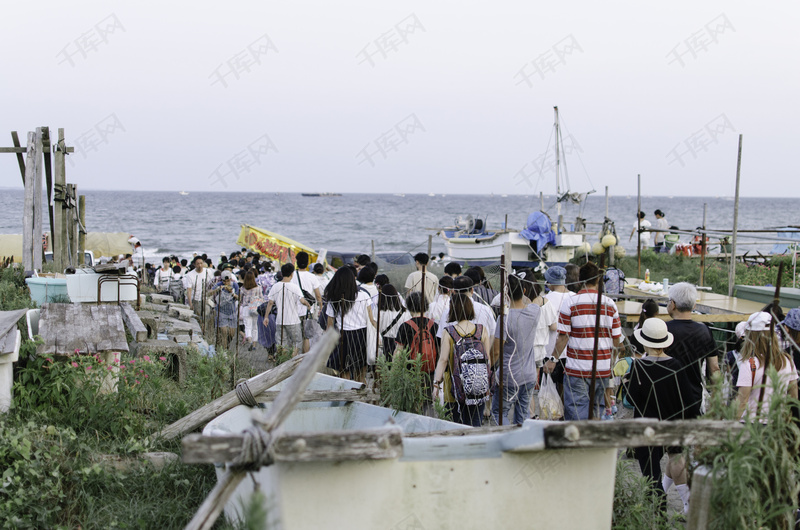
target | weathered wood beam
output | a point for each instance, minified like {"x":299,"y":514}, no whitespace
{"x":463,"y":432}
{"x":134,"y":324}
{"x":223,"y":404}
{"x":365,"y":395}
{"x":48,"y":175}
{"x":209,"y":511}
{"x":637,"y":433}
{"x":59,"y":235}
{"x":337,"y":446}
{"x":22,"y":150}
{"x":30,"y":240}
{"x":20,"y":158}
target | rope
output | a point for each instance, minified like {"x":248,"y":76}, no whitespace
{"x":245,"y":395}
{"x":255,"y":451}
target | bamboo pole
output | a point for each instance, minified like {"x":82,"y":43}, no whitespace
{"x":82,"y":230}
{"x":775,"y":303}
{"x":638,"y":226}
{"x":501,"y":353}
{"x":703,"y":247}
{"x":598,"y":310}
{"x":732,"y":269}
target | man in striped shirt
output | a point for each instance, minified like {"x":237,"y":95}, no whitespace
{"x":576,"y":332}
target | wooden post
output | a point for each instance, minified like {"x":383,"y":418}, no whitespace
{"x":732,"y":270}
{"x":47,"y":148}
{"x":430,"y":245}
{"x":703,"y":246}
{"x":59,"y":236}
{"x":598,"y":310}
{"x":541,"y":200}
{"x":31,"y":230}
{"x":638,"y":226}
{"x":71,"y":242}
{"x":82,"y":230}
{"x":373,"y":250}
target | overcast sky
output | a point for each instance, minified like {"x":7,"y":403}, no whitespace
{"x":407,"y":97}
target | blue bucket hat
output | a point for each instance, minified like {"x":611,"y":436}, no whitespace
{"x":556,"y":275}
{"x":792,"y":320}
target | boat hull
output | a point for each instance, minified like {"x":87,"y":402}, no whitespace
{"x":439,"y":482}
{"x":484,"y":249}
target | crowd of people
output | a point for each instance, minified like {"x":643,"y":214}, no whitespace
{"x":549,"y":328}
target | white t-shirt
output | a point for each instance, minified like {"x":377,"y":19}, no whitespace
{"x":483,"y":316}
{"x":357,"y":317}
{"x":161,"y":281}
{"x":195,"y":280}
{"x":557,"y":299}
{"x":436,"y":309}
{"x":388,"y":317}
{"x":414,"y":283}
{"x":310,"y":282}
{"x":661,"y":224}
{"x":645,"y":224}
{"x":787,"y":374}
{"x":547,"y":317}
{"x":286,"y":296}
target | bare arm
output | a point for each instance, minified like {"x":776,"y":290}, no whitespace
{"x":267,"y":311}
{"x":495,"y":353}
{"x":743,"y":395}
{"x":441,"y":365}
{"x":793,"y":389}
{"x":318,"y":296}
{"x":561,"y":343}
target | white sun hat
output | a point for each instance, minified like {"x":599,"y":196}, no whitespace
{"x":654,"y":333}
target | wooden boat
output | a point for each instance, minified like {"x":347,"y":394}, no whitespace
{"x":439,"y":481}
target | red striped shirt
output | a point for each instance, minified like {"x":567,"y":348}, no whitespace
{"x":577,"y":320}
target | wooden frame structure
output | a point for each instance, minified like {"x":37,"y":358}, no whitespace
{"x":66,"y":210}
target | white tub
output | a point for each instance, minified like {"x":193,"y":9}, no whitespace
{"x":503,"y":480}
{"x":82,"y":287}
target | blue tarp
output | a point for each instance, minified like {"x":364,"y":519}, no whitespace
{"x":539,"y":231}
{"x":783,"y":248}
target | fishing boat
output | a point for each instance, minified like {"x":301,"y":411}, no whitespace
{"x":321,"y":194}
{"x":435,"y":481}
{"x":183,"y":193}
{"x":543,"y":240}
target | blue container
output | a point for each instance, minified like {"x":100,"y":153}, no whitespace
{"x":44,"y":290}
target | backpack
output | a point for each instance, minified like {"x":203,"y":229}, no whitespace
{"x":176,"y":289}
{"x":423,"y":344}
{"x":470,"y":367}
{"x":614,"y":281}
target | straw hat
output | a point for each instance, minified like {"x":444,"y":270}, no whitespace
{"x":654,"y":333}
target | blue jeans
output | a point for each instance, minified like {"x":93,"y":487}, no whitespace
{"x":517,"y":398}
{"x":576,"y":397}
{"x":466,"y":414}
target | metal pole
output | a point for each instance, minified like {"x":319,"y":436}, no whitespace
{"x":502,"y":388}
{"x":81,"y":230}
{"x":703,"y":247}
{"x":373,"y":250}
{"x":732,"y":270}
{"x":638,"y":225}
{"x":598,"y":309}
{"x":606,"y":202}
{"x":541,"y":200}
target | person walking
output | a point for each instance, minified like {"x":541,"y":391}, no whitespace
{"x":576,"y":335}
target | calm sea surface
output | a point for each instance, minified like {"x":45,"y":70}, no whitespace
{"x":169,"y":223}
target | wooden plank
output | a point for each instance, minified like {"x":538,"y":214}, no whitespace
{"x":20,"y":158}
{"x":132,"y":321}
{"x":211,"y":410}
{"x":364,"y":395}
{"x":383,"y":443}
{"x":467,"y":431}
{"x":637,"y":433}
{"x":65,"y":328}
{"x":209,"y":511}
{"x":22,"y":150}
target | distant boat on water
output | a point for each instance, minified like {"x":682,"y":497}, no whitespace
{"x":321,"y":194}
{"x":399,"y":194}
{"x":183,"y":193}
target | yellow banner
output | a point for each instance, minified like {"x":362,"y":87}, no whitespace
{"x":274,"y":246}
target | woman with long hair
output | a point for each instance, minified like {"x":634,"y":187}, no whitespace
{"x":761,"y":348}
{"x":347,"y":310}
{"x":469,"y":412}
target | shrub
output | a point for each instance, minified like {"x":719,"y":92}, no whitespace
{"x":401,"y":382}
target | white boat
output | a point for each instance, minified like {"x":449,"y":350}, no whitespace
{"x":183,"y":193}
{"x":437,"y":482}
{"x":543,"y":240}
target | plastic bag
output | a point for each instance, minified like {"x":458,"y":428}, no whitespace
{"x":550,"y":402}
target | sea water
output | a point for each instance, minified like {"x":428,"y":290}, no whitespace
{"x":170,"y":223}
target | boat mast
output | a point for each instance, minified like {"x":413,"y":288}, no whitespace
{"x":558,"y":173}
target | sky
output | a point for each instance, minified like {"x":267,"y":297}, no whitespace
{"x":408,"y":97}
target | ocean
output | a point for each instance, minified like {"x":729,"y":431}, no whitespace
{"x":170,"y":223}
